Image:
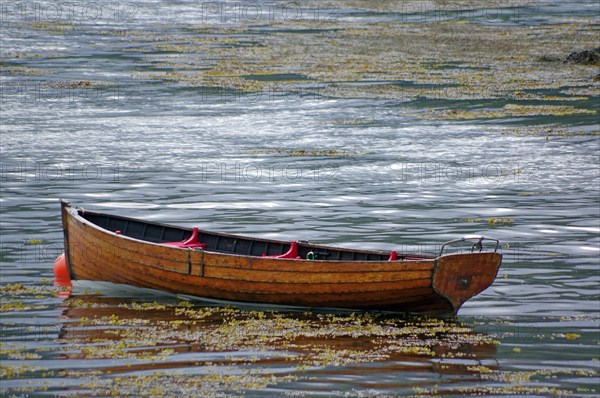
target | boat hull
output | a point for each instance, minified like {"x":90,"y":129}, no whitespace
{"x":440,"y":285}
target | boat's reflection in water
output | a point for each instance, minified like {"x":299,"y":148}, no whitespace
{"x":176,"y":345}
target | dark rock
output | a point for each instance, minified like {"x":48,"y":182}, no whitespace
{"x":587,"y":57}
{"x":596,"y":78}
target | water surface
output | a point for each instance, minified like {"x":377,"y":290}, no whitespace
{"x":228,"y":160}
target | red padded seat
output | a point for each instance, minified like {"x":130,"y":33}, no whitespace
{"x":190,"y":243}
{"x":292,"y":253}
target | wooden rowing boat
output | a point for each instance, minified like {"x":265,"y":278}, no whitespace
{"x":123,"y":250}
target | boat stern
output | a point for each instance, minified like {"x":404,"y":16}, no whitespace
{"x":458,"y":277}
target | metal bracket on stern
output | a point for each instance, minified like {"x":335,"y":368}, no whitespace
{"x":477,"y":246}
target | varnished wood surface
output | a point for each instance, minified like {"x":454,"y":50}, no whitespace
{"x":458,"y":278}
{"x":432,"y":286}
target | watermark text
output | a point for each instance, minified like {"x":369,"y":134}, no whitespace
{"x":63,"y":172}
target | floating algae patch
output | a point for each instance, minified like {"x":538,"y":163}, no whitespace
{"x":274,"y":76}
{"x":441,"y":7}
{"x":57,"y":27}
{"x":12,"y":305}
{"x":76,"y":84}
{"x":18,"y":70}
{"x":215,"y":384}
{"x":517,"y":383}
{"x":111,"y":347}
{"x":352,"y":122}
{"x":426,"y":51}
{"x":304,"y":152}
{"x":507,"y":111}
{"x":553,"y":131}
{"x":589,"y":91}
{"x":16,"y":371}
{"x":524,"y":96}
{"x":43,"y":290}
{"x":491,"y":221}
{"x":379,"y":60}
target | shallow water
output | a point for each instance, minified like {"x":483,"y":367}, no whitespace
{"x":223,"y":160}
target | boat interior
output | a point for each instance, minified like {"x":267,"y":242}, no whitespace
{"x":194,"y":238}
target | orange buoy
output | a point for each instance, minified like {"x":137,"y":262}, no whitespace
{"x":61,"y":273}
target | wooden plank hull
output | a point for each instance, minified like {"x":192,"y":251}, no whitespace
{"x":426,"y":285}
